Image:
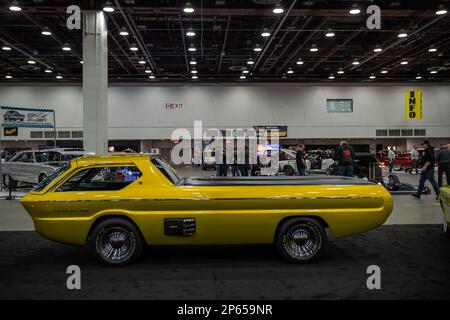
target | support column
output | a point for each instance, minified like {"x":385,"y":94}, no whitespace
{"x":95,"y":82}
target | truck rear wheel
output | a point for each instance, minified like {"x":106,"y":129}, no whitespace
{"x":116,"y":242}
{"x":300,"y":240}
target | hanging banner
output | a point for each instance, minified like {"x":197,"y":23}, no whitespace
{"x":271,"y":131}
{"x":413,"y":105}
{"x":15,"y":117}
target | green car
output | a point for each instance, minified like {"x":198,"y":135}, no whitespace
{"x":445,"y":204}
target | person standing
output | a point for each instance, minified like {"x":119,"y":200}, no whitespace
{"x":428,"y":161}
{"x":345,"y":156}
{"x":391,"y":157}
{"x":414,"y":160}
{"x":443,"y":159}
{"x":300,"y":160}
{"x":221,"y":162}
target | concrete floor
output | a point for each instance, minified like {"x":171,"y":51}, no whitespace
{"x":407,"y":210}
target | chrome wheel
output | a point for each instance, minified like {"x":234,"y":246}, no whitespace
{"x":397,"y":167}
{"x":302,"y":241}
{"x":116,"y":244}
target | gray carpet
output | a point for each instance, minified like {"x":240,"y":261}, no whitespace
{"x":414,"y":261}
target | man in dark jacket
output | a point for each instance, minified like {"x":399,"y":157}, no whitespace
{"x":443,"y":159}
{"x":428,"y":161}
{"x":345,"y":155}
{"x":300,"y":160}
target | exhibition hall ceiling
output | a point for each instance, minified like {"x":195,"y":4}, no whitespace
{"x":235,"y":41}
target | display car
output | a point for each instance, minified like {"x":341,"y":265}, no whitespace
{"x":319,"y":161}
{"x":33,"y":166}
{"x":13,"y":116}
{"x":117,"y":204}
{"x":402,"y":160}
{"x":444,"y":198}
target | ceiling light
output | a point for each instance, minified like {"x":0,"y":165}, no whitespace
{"x":192,"y":48}
{"x":340,"y":71}
{"x":194,"y":77}
{"x":66,"y":47}
{"x":404,"y":62}
{"x":314,"y":48}
{"x":142,"y":62}
{"x":81,"y":62}
{"x":31,"y":62}
{"x":377,"y":49}
{"x":290,"y":71}
{"x":148,"y":71}
{"x":265,"y":33}
{"x":257,"y":48}
{"x":278,"y":9}
{"x":15,"y":7}
{"x":194,"y":71}
{"x":432,"y":49}
{"x":151,"y":77}
{"x":355,"y":63}
{"x":418,"y":77}
{"x":384,"y":71}
{"x":46,"y":32}
{"x":242,"y":77}
{"x":354,"y":9}
{"x":190,"y":33}
{"x":134,"y":48}
{"x":441,"y":10}
{"x":193,"y":62}
{"x":8,"y":76}
{"x":402,"y":35}
{"x":188,"y":8}
{"x":329,"y":34}
{"x":6,"y":48}
{"x":124,"y":32}
{"x":372,"y":76}
{"x":245,"y":71}
{"x":331,"y":77}
{"x":48,"y":71}
{"x":433,"y":71}
{"x":108,"y":7}
{"x":299,"y":61}
{"x":250,"y":61}
{"x":59,"y":76}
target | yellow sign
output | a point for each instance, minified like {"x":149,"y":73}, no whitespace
{"x":413,"y":105}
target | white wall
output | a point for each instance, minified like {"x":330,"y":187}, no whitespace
{"x":139,"y":112}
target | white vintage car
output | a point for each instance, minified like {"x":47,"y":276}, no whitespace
{"x":317,"y":161}
{"x":33,"y":166}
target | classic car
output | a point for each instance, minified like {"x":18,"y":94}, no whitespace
{"x":33,"y":166}
{"x":317,"y":161}
{"x":444,"y":198}
{"x":402,"y":160}
{"x":117,"y":204}
{"x":13,"y":116}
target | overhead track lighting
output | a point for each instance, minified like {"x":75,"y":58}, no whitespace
{"x":31,"y":62}
{"x":432,"y":49}
{"x":194,"y":77}
{"x":377,"y":49}
{"x":192,"y":48}
{"x":290,"y":71}
{"x":8,"y":76}
{"x":152,"y":77}
{"x":384,"y":71}
{"x":314,"y":48}
{"x":142,"y":62}
{"x":124,"y":32}
{"x":134,"y":48}
{"x":66,"y":47}
{"x":245,"y":71}
{"x":193,"y":71}
{"x":46,"y":32}
{"x":329,"y":34}
{"x":188,"y":8}
{"x":331,"y":77}
{"x":278,"y":9}
{"x":355,"y":63}
{"x":190,"y":33}
{"x":340,"y":71}
{"x":418,"y":77}
{"x":48,"y":71}
{"x":441,"y":10}
{"x":404,"y":62}
{"x":15,"y":6}
{"x":433,"y":71}
{"x":250,"y":62}
{"x":354,"y":9}
{"x":265,"y":33}
{"x":242,"y":77}
{"x":108,"y":7}
{"x":59,"y":77}
{"x":402,"y":34}
{"x":193,"y":62}
{"x":372,"y":76}
{"x":299,"y":61}
{"x":257,"y":48}
{"x":6,"y":48}
{"x":148,"y":71}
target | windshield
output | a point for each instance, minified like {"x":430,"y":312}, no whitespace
{"x":51,"y":177}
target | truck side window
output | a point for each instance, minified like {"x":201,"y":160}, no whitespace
{"x":101,"y":179}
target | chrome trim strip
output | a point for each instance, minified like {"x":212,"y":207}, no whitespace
{"x":215,"y":199}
